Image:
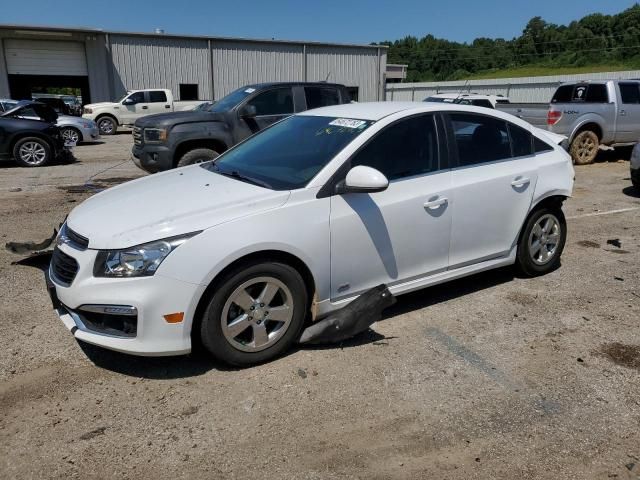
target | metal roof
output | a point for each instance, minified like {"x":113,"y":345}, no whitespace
{"x":88,"y":30}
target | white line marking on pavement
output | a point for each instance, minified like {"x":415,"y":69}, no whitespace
{"x":610,"y":212}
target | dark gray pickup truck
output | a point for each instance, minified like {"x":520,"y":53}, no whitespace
{"x":177,"y":139}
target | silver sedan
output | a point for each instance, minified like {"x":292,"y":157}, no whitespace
{"x":77,"y":129}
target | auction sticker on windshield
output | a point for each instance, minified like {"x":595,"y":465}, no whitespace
{"x":347,"y":122}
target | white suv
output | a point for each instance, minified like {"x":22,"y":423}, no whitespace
{"x":300,"y":219}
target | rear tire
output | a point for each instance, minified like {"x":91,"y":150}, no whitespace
{"x":32,"y":152}
{"x":584,"y":147}
{"x":247,"y":323}
{"x":541,"y":242}
{"x":197,"y":155}
{"x":107,"y":125}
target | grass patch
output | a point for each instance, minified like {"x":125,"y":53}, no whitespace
{"x":540,"y":71}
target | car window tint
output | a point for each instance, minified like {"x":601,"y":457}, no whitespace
{"x":540,"y":146}
{"x":563,"y":94}
{"x":579,"y":93}
{"x":521,"y":141}
{"x":278,"y":101}
{"x":597,"y":93}
{"x":321,"y":97}
{"x":630,"y":92}
{"x":406,"y":148}
{"x":482,"y":103}
{"x":156,"y":96}
{"x":137,"y":97}
{"x":480,"y":138}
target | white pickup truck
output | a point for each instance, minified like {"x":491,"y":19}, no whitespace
{"x":133,"y":105}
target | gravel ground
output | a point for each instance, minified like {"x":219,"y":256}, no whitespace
{"x":492,"y":376}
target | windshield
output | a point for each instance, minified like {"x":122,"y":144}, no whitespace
{"x":231,"y":100}
{"x":289,"y":154}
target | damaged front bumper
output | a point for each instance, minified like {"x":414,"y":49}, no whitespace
{"x":124,"y":314}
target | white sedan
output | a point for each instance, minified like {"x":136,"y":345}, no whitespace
{"x":297,"y":221}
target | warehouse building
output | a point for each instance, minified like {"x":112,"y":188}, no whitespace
{"x":104,"y":65}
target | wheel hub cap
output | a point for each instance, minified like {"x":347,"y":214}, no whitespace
{"x":544,"y":239}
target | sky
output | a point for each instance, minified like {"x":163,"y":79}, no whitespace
{"x":354,"y":21}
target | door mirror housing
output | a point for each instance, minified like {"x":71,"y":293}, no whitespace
{"x":128,"y":101}
{"x":361,"y":179}
{"x":248,"y":111}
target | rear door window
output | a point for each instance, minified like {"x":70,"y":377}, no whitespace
{"x":597,"y":93}
{"x":321,"y":97}
{"x":278,"y":101}
{"x":630,"y":93}
{"x":479,"y":138}
{"x":157,"y":96}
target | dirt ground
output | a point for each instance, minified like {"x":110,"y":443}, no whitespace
{"x":492,"y":376}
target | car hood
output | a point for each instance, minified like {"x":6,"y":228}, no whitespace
{"x":101,"y":104}
{"x":172,"y":118}
{"x":168,"y":204}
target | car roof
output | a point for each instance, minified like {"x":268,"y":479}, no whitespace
{"x":375,"y":111}
{"x":287,"y":84}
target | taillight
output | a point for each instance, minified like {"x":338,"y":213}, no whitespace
{"x":553,"y":117}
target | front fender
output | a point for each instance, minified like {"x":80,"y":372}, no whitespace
{"x":187,"y":132}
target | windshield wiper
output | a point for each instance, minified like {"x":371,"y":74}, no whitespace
{"x":237,"y":175}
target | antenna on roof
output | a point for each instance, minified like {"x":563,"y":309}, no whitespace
{"x":461,"y":90}
{"x":327,"y":78}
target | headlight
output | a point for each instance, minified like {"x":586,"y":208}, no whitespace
{"x":88,"y":110}
{"x":139,"y":261}
{"x":155,"y":135}
{"x":87,"y":124}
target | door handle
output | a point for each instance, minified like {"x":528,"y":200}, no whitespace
{"x":520,"y":182}
{"x":623,"y":113}
{"x":144,"y":107}
{"x":434,"y":204}
{"x":167,"y":106}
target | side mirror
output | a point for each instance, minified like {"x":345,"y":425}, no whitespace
{"x":363,"y":179}
{"x":248,"y":111}
{"x":128,"y":101}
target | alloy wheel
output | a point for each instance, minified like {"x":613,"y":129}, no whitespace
{"x":257,"y":314}
{"x":106,"y":126}
{"x":70,"y":135}
{"x":544,"y":239}
{"x":32,"y":153}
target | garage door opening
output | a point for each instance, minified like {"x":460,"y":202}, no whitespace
{"x":46,"y":66}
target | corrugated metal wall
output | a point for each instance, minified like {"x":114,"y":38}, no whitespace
{"x":239,"y":63}
{"x":353,"y":67}
{"x":97,"y":67}
{"x":154,"y":62}
{"x":519,"y":90}
{"x":4,"y":79}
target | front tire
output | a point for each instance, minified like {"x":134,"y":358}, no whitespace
{"x":70,"y":134}
{"x":197,"y":155}
{"x":584,"y":147}
{"x":107,"y":125}
{"x":255,"y":314}
{"x":32,"y":152}
{"x":541,"y":242}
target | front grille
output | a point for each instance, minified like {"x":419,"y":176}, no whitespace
{"x":118,"y":325}
{"x":63,"y":267}
{"x":76,"y":240}
{"x":137,"y":135}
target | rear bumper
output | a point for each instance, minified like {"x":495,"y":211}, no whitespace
{"x":152,"y":159}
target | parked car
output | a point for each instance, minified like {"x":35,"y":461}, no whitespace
{"x":135,"y":104}
{"x":300,"y":219}
{"x":635,"y":167}
{"x":476,"y":99}
{"x":596,"y":113}
{"x":72,"y":129}
{"x":534,"y":113}
{"x":31,"y":142}
{"x":162,"y":142}
{"x":56,"y":103}
{"x":7,"y":104}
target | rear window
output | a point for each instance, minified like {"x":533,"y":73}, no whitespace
{"x":521,"y":143}
{"x":541,"y":146}
{"x":563,"y":94}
